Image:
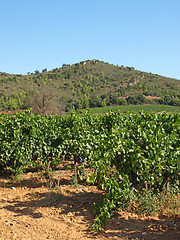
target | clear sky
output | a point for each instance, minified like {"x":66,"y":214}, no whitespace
{"x":38,"y":34}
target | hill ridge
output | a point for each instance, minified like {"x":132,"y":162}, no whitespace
{"x":89,"y":83}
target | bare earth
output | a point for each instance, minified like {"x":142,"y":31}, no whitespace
{"x":33,"y":209}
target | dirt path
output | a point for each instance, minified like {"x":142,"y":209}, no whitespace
{"x":33,"y":209}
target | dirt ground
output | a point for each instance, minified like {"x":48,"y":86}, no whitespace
{"x":33,"y":209}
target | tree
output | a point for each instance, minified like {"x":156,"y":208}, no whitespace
{"x":95,"y":101}
{"x":44,"y":70}
{"x":85,"y":102}
{"x":170,"y":100}
{"x":136,"y":99}
{"x":36,"y":71}
{"x":46,"y":102}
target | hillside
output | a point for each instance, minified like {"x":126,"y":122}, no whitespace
{"x":90,"y":83}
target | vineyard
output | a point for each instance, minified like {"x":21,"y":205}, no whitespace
{"x":123,"y":154}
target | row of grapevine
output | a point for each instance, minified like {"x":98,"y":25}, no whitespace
{"x":123,"y":152}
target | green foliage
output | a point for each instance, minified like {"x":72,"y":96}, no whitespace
{"x":25,"y":141}
{"x":136,"y":99}
{"x":123,"y":153}
{"x":170,"y":100}
{"x":91,"y":83}
{"x":150,"y":203}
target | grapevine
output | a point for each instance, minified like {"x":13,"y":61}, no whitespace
{"x":123,"y":153}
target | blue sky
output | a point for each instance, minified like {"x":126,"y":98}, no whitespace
{"x":42,"y":34}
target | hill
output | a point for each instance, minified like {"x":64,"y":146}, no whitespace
{"x":90,"y":83}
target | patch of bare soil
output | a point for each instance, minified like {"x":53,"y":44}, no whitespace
{"x":34,"y":209}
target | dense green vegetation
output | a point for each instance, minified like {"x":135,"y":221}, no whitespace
{"x":87,"y":84}
{"x":122,"y":153}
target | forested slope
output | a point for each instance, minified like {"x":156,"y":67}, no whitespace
{"x":90,"y":83}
